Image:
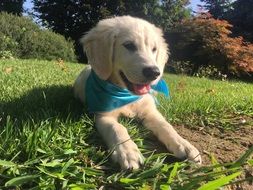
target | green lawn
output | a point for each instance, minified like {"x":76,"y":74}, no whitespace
{"x":48,"y":142}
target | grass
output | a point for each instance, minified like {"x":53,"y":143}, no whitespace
{"x":207,"y":102}
{"x":48,"y":142}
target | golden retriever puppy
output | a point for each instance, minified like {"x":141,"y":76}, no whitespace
{"x":127,"y":56}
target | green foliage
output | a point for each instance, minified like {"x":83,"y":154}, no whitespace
{"x":174,"y":12}
{"x":180,"y":67}
{"x":162,"y":13}
{"x":21,"y":38}
{"x":241,"y":17}
{"x":12,"y":6}
{"x":186,"y":68}
{"x":210,"y":71}
{"x":74,"y":18}
{"x":217,"y":8}
{"x":6,"y":54}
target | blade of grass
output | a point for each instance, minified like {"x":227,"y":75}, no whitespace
{"x":7,"y":163}
{"x":69,"y":163}
{"x":173,"y":173}
{"x":215,"y":184}
{"x":243,"y":159}
{"x":20,"y":180}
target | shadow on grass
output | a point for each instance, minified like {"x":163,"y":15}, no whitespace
{"x":41,"y":104}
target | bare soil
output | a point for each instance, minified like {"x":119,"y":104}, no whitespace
{"x":226,"y":146}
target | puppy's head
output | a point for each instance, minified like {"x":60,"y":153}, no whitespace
{"x":127,"y":51}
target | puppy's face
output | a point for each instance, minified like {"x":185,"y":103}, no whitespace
{"x":135,"y":58}
{"x":134,"y":52}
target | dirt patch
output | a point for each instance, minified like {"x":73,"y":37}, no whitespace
{"x":226,"y":146}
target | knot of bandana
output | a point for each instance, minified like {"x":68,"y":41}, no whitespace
{"x":103,"y":96}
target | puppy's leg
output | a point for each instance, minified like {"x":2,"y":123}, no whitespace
{"x":167,"y":135}
{"x":125,"y":151}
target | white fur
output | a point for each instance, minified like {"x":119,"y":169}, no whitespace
{"x":107,"y":56}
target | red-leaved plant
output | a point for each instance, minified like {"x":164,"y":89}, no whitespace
{"x":214,"y":45}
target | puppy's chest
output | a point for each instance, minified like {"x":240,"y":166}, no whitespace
{"x":129,"y":110}
{"x":136,"y":109}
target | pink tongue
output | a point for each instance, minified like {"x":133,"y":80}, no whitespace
{"x":141,"y":89}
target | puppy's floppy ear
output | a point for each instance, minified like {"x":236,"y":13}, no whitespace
{"x":162,"y":51}
{"x":98,"y":44}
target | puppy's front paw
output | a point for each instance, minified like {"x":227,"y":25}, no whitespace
{"x":184,"y":149}
{"x":128,"y":155}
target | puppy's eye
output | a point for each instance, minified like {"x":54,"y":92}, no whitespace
{"x":154,"y":49}
{"x":130,"y":46}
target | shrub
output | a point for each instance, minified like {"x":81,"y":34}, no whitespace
{"x":6,"y":55}
{"x":24,"y":39}
{"x":210,"y":71}
{"x":180,"y":67}
{"x":206,"y":41}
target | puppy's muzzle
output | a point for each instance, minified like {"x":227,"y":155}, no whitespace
{"x":151,"y":73}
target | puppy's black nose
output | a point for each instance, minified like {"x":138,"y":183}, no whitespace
{"x":151,"y":73}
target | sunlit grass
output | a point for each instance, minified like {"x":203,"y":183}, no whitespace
{"x":204,"y":102}
{"x":48,"y":142}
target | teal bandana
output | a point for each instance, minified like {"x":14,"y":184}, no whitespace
{"x":103,"y":96}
